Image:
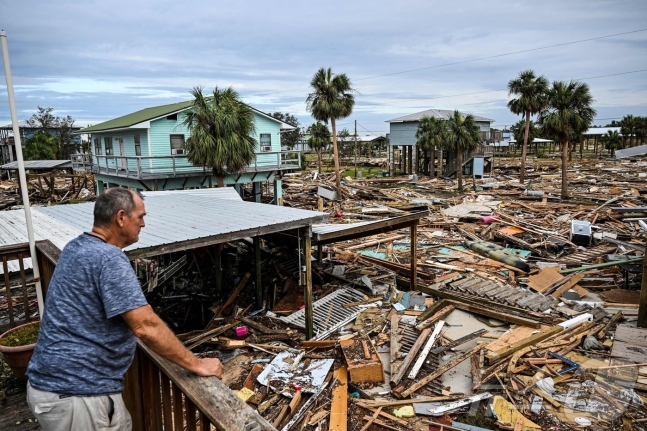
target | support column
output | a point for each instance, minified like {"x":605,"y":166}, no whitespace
{"x":257,"y":272}
{"x":319,"y":253}
{"x":307,"y":294}
{"x":414,"y":260}
{"x":218,"y":268}
{"x":100,"y":187}
{"x":278,"y":191}
{"x":410,"y":160}
{"x":256,"y":187}
{"x":642,"y":307}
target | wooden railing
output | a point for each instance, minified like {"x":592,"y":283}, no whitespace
{"x":163,"y":396}
{"x":480,"y":151}
{"x":19,"y":304}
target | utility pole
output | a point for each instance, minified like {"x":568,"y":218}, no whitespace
{"x":21,"y":172}
{"x":355,"y":148}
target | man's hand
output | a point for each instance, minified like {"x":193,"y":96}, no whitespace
{"x":209,"y":367}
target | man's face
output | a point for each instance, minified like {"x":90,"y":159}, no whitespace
{"x":133,"y":223}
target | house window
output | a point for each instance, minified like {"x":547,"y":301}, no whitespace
{"x":138,"y":147}
{"x":177,"y":144}
{"x":266,"y":142}
{"x":172,"y":117}
{"x":108,"y":144}
{"x":97,"y":146}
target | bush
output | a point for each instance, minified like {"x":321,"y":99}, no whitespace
{"x":22,"y":337}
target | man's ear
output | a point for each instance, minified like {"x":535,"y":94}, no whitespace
{"x":121,"y":215}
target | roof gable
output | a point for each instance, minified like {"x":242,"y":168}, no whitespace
{"x":443,"y":114}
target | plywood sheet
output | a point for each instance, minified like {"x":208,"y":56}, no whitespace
{"x":517,"y":334}
{"x":547,"y":276}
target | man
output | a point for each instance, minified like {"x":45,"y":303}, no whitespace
{"x":94,"y":310}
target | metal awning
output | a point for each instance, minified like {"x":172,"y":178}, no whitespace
{"x":330,"y":233}
{"x":35,"y":165}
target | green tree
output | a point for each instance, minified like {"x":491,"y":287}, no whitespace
{"x":332,"y":97}
{"x":289,"y":138}
{"x":41,"y":146}
{"x":531,"y":98}
{"x":463,"y":137}
{"x":611,"y":140}
{"x":431,"y":133}
{"x":641,"y":130}
{"x":568,"y":112}
{"x":45,"y":122}
{"x":345,"y":144}
{"x":628,"y":125}
{"x":221,"y":127}
{"x":518,"y":130}
{"x":319,"y":139}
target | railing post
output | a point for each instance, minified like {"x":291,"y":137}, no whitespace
{"x":139,"y":167}
{"x":173,"y":158}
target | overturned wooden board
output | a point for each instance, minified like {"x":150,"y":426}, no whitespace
{"x":549,"y":276}
{"x":364,"y":364}
{"x":630,"y":344}
{"x":511,"y":337}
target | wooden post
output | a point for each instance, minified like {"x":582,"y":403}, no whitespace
{"x":218,"y":268}
{"x":257,"y":272}
{"x":307,"y":294}
{"x":414,"y":259}
{"x":642,"y":308}
{"x":319,"y":253}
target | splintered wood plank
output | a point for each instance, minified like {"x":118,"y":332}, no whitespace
{"x":395,"y":379}
{"x":571,"y":284}
{"x":512,"y":336}
{"x":547,"y":276}
{"x":395,"y":345}
{"x":339,"y":404}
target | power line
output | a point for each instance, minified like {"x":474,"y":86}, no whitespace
{"x":471,"y":60}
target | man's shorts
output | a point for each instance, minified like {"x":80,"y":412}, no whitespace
{"x":68,"y":413}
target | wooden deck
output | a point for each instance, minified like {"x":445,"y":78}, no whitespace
{"x":15,"y":414}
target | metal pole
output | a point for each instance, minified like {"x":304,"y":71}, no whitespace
{"x":21,"y":171}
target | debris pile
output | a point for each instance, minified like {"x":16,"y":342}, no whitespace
{"x":48,"y":188}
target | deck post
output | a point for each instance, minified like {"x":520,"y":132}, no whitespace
{"x":307,"y":294}
{"x":278,"y":191}
{"x":257,"y":272}
{"x":319,"y":253}
{"x":642,"y":308}
{"x":256,"y":187}
{"x":414,"y":259}
{"x":218,"y":268}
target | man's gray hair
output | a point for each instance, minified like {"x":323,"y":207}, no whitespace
{"x":109,"y":203}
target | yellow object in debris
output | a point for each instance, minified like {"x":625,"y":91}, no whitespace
{"x":245,"y":394}
{"x":404,"y":412}
{"x":507,"y":413}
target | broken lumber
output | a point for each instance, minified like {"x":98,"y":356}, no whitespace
{"x":442,"y":370}
{"x":529,"y":341}
{"x":234,"y":295}
{"x":339,"y":403}
{"x":364,"y":364}
{"x":425,"y":351}
{"x":395,"y":379}
{"x":435,"y":318}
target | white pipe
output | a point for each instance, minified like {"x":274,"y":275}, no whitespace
{"x":21,"y":170}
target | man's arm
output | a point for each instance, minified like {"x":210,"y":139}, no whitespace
{"x":153,"y":332}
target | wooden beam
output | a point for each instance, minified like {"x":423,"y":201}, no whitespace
{"x":382,"y":226}
{"x":642,"y":306}
{"x":257,"y":272}
{"x":414,"y":257}
{"x":307,"y":294}
{"x":529,"y":341}
{"x":571,"y":281}
{"x":395,"y":345}
{"x":339,"y":404}
{"x":425,"y":351}
{"x":442,"y":370}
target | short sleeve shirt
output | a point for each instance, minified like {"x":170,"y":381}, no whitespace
{"x":85,"y":347}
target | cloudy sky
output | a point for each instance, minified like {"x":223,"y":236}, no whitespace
{"x":96,"y":60}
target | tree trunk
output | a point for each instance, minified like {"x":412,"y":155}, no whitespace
{"x":522,"y":173}
{"x":432,"y":161}
{"x":319,"y":158}
{"x":459,"y":169}
{"x":336,"y":157}
{"x":221,"y":181}
{"x":565,"y":153}
{"x":440,"y":163}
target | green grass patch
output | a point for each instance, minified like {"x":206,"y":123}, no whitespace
{"x":22,"y":337}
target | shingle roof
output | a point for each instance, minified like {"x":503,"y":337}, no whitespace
{"x":443,"y":114}
{"x":138,"y":117}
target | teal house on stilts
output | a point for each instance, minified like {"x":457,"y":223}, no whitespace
{"x":145,"y":150}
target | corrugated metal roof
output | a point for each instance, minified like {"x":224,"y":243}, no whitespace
{"x":172,"y":217}
{"x":328,"y":228}
{"x":599,"y":131}
{"x":40,"y":164}
{"x":443,"y":114}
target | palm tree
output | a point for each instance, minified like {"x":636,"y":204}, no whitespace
{"x":612,"y":140}
{"x":331,"y":98}
{"x":628,"y":126}
{"x":519,"y":131}
{"x":531,"y":98}
{"x":319,"y":139}
{"x":221,"y":128}
{"x":431,"y":132}
{"x":463,"y":136}
{"x":568,"y":112}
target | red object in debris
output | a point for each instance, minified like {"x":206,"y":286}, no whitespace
{"x":296,"y":387}
{"x":338,"y":214}
{"x":241,"y":331}
{"x":489,"y":219}
{"x":302,"y":307}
